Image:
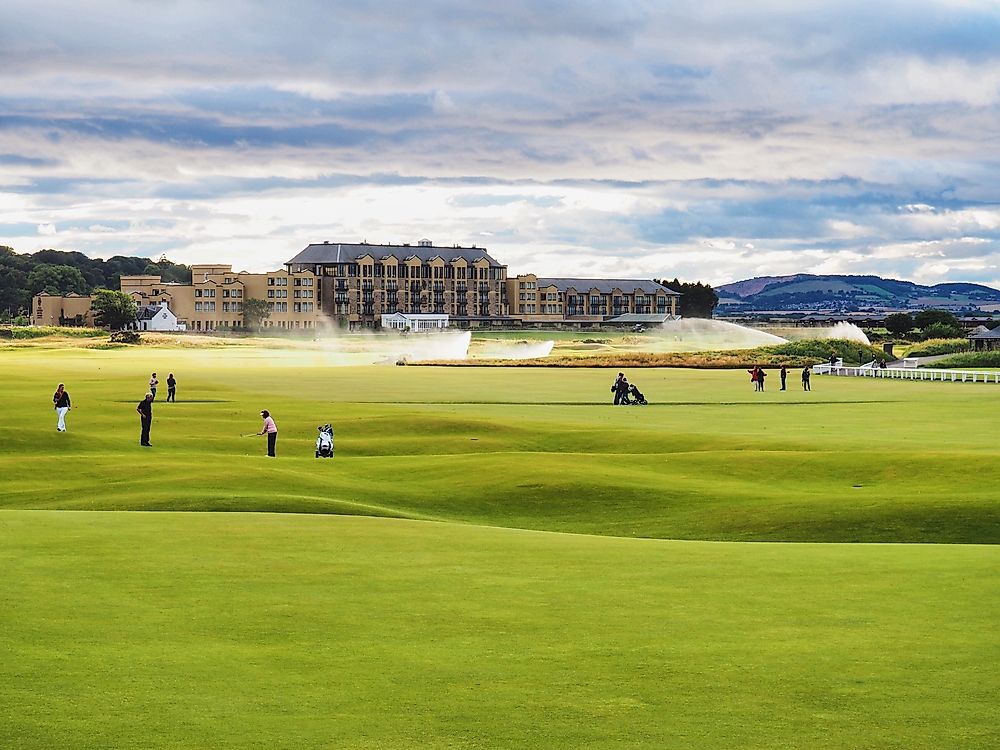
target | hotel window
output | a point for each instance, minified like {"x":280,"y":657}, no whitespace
{"x":270,"y":294}
{"x":270,"y":281}
{"x":197,"y":292}
{"x":197,"y":306}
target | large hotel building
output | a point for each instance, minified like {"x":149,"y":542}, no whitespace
{"x":355,"y":284}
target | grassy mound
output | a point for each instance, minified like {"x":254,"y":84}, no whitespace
{"x":934,"y":347}
{"x":970,"y":361}
{"x":38,"y":332}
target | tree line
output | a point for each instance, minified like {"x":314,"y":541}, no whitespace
{"x":697,"y":300}
{"x":57,"y":272}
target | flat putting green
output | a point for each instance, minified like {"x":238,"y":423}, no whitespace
{"x":433,"y":596}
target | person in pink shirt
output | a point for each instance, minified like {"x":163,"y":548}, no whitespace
{"x":270,"y":430}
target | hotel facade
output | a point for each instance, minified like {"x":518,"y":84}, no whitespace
{"x":355,"y":284}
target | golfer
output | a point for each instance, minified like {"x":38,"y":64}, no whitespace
{"x":270,"y":430}
{"x":145,"y":409}
{"x":61,"y":403}
{"x":171,"y":387}
{"x":153,"y":382}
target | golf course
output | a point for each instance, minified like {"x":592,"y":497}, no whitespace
{"x":496,"y":557}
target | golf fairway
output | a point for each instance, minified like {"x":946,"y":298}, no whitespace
{"x":495,"y":558}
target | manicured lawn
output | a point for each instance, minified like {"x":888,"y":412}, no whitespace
{"x":420,"y":590}
{"x":854,"y":460}
{"x":257,"y":630}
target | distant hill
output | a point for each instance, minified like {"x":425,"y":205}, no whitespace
{"x":834,"y":292}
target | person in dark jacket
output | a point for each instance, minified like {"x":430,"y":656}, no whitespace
{"x":806,"y":372}
{"x":171,"y":387}
{"x":621,"y":389}
{"x":145,"y":409}
{"x":784,"y":374}
{"x":61,"y":403}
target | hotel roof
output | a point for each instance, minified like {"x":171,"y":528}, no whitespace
{"x":607,"y":286}
{"x":342,"y":252}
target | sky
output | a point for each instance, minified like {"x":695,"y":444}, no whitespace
{"x":708,"y":141}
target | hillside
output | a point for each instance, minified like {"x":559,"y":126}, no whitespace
{"x":57,"y":272}
{"x":849,"y":293}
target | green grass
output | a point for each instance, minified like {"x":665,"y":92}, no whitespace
{"x":970,"y":360}
{"x":470,"y":571}
{"x":934,"y":347}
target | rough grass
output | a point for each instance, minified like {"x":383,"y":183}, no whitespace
{"x":627,"y":352}
{"x":971,"y":360}
{"x":934,"y":347}
{"x":37,"y":332}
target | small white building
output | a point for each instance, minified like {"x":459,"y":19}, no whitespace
{"x":157,"y":318}
{"x":415,"y":321}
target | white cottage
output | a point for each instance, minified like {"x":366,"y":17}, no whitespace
{"x":157,"y":318}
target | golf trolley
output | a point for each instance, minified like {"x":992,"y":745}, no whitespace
{"x":324,"y":442}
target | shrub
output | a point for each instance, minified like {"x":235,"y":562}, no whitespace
{"x":940,"y":331}
{"x":970,"y":360}
{"x":934,"y":347}
{"x":125,"y":337}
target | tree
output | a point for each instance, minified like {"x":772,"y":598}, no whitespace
{"x":56,"y":279}
{"x":899,"y":324}
{"x":697,"y":301}
{"x":255,"y":312}
{"x":116,"y":310}
{"x":925,"y":318}
{"x":941,"y":331}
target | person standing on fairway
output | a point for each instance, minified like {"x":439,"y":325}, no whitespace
{"x":171,"y":387}
{"x":784,"y":374}
{"x":620,"y":388}
{"x":153,"y":382}
{"x":805,"y":378}
{"x":270,"y":430}
{"x":61,"y":403}
{"x":145,"y":409}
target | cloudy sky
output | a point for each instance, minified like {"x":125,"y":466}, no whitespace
{"x":707,"y":140}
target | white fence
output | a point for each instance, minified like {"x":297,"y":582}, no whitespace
{"x":870,"y":370}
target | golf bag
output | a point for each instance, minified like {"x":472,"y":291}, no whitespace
{"x":637,"y":399}
{"x":324,"y":442}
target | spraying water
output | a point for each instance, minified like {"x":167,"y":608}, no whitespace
{"x":847,"y":331}
{"x":518,"y":350}
{"x":699,"y":334}
{"x":432,"y":346}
